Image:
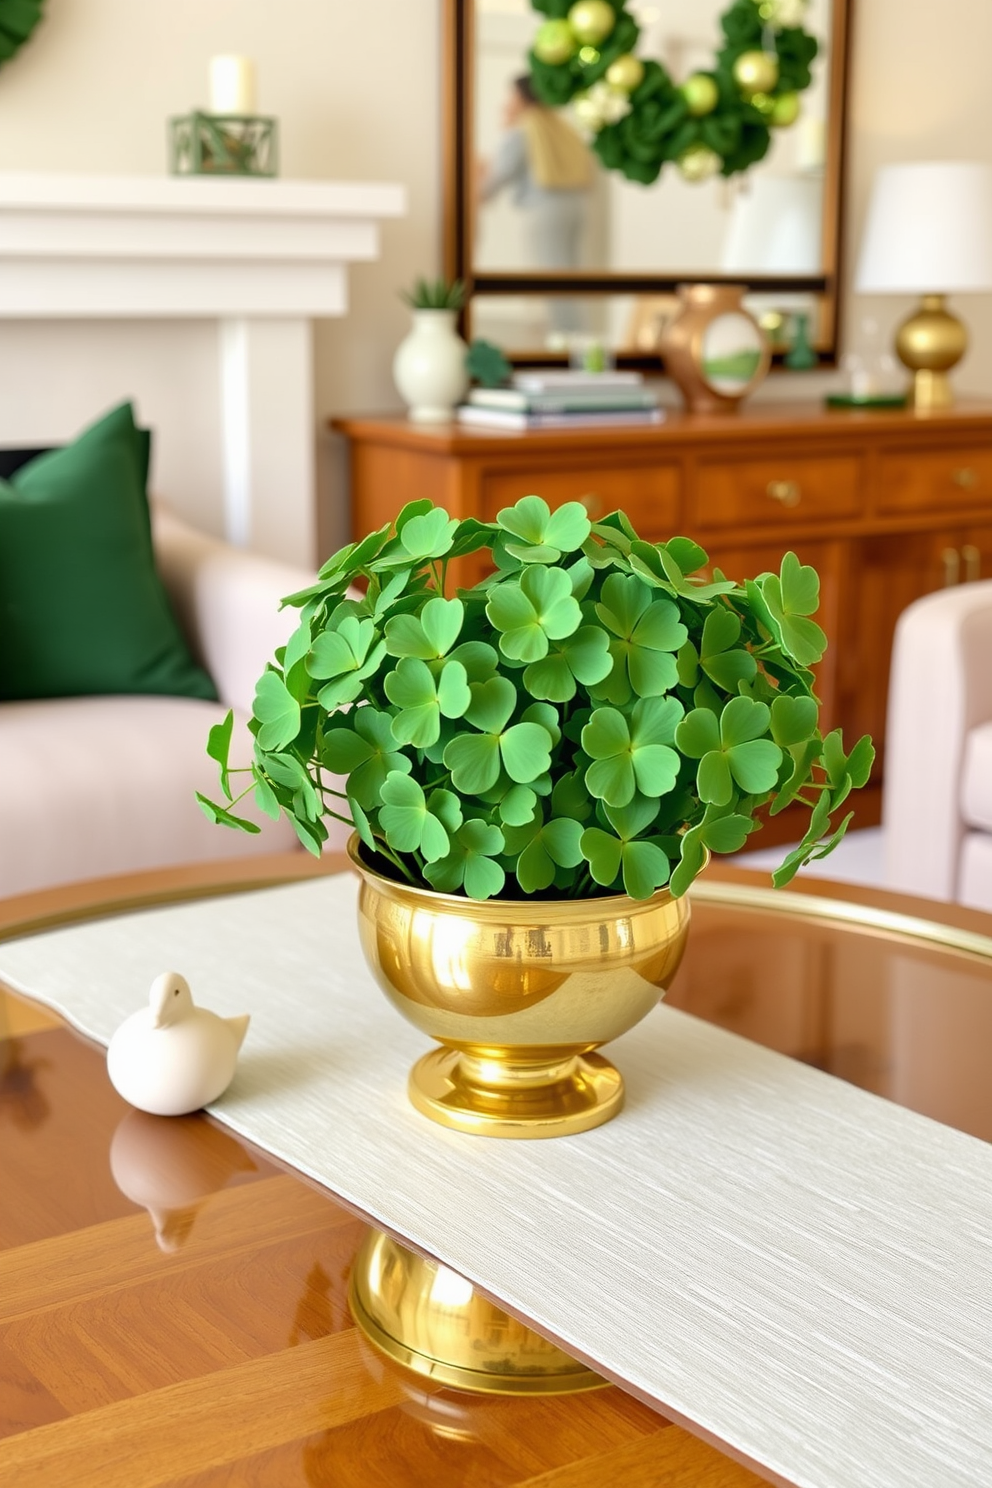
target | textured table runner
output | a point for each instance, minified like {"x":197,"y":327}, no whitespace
{"x":798,"y":1268}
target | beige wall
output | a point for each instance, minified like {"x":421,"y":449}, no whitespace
{"x":356,"y":86}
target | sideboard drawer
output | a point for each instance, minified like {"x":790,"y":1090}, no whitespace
{"x":649,"y":494}
{"x":917,"y":480}
{"x":777,"y":491}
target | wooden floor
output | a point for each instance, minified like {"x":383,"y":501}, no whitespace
{"x":205,"y":1339}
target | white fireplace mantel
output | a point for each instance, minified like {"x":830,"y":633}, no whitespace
{"x":261,"y":258}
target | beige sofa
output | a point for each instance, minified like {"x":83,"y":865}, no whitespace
{"x":937,"y":807}
{"x":105,"y":785}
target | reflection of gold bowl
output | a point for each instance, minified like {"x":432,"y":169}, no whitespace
{"x":519,"y":994}
{"x":431,"y":1320}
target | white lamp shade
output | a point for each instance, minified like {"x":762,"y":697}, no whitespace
{"x":929,"y":230}
{"x":775,"y":227}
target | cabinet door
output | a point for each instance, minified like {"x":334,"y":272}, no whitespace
{"x":976,"y":554}
{"x":745,"y":561}
{"x":889,"y":572}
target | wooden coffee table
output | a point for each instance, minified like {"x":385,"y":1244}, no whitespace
{"x":197,"y":1332}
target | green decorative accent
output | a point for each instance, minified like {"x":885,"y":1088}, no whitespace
{"x":18,"y":19}
{"x":223,"y":145}
{"x":710,"y":123}
{"x":486,"y":364}
{"x":82,"y":608}
{"x":435,"y":294}
{"x":801,"y":356}
{"x":593,"y":717}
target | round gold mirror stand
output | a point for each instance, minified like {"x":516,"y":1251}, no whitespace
{"x":432,"y":1321}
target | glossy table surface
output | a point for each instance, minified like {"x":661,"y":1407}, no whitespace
{"x":173,"y":1304}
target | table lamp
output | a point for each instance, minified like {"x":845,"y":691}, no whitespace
{"x":929,"y":232}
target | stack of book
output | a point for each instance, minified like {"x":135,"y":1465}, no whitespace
{"x":559,"y":399}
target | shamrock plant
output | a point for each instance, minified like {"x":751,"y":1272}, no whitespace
{"x":593,"y":717}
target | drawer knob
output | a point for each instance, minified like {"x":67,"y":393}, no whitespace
{"x":972,"y":563}
{"x":592,"y":503}
{"x":966,"y":478}
{"x":787,"y":492}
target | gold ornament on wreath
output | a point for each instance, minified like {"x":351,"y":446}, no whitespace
{"x":717,"y":121}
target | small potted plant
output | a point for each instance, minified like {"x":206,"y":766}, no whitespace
{"x":536,"y":768}
{"x":429,"y":368}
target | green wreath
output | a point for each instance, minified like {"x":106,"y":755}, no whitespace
{"x":639,"y":119}
{"x":18,"y":19}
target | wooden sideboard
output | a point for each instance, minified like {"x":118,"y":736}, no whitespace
{"x":886,"y":505}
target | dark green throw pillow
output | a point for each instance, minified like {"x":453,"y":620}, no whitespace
{"x":82,"y":608}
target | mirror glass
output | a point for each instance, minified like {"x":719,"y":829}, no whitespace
{"x":778,"y":221}
{"x":766,"y":221}
{"x":731,"y":352}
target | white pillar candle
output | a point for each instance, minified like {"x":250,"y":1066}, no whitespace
{"x":232,"y":85}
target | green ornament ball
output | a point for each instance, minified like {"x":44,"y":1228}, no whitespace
{"x":626,"y":73}
{"x":756,"y":72}
{"x":699,"y":163}
{"x":785,"y":110}
{"x":592,"y":21}
{"x":555,"y":43}
{"x":701,"y":94}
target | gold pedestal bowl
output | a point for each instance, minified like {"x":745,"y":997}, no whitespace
{"x":519,"y":994}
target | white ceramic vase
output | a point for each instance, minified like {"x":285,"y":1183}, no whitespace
{"x":429,"y":367}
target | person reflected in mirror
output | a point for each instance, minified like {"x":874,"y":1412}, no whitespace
{"x":549,"y":172}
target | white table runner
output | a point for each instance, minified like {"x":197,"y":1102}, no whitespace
{"x":799,"y":1269}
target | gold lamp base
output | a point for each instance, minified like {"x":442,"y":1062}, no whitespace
{"x":432,"y":1321}
{"x":501,"y":1097}
{"x":930,"y":343}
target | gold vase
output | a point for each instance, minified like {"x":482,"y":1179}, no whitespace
{"x":432,"y":1321}
{"x":519,"y":994}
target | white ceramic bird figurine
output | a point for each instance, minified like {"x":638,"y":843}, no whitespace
{"x":171,"y":1057}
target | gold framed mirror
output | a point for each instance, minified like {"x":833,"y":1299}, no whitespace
{"x":608,"y":272}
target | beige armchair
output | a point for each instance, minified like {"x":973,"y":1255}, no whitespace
{"x":106,"y":785}
{"x":937,"y":802}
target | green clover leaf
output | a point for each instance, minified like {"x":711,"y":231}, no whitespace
{"x":469,"y":863}
{"x":423,"y":532}
{"x":276,"y":711}
{"x":429,"y":635}
{"x":661,"y":566}
{"x":544,"y":535}
{"x":365,"y":752}
{"x":531,"y":611}
{"x":340,"y":567}
{"x":342,"y":648}
{"x":793,"y":719}
{"x":646,"y":632}
{"x":517,"y":806}
{"x":730,"y":749}
{"x":644,"y":865}
{"x":720,"y":658}
{"x":422,"y":698}
{"x":342,"y":653}
{"x":635,"y":757}
{"x":408,"y":821}
{"x":219,"y":748}
{"x":784,"y":601}
{"x":583,"y":657}
{"x":555,"y":844}
{"x":523,"y":749}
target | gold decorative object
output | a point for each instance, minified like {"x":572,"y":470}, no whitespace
{"x":592,"y":20}
{"x":756,"y":72}
{"x":713,"y":349}
{"x":519,"y":994}
{"x":431,"y":1320}
{"x":626,"y":73}
{"x":930,"y":342}
{"x":929,"y":232}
